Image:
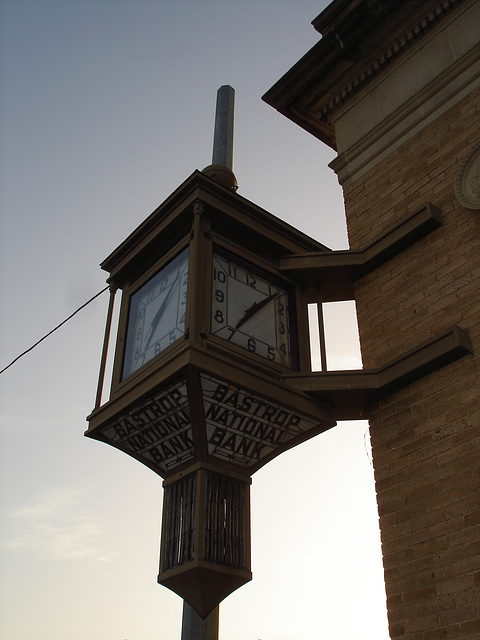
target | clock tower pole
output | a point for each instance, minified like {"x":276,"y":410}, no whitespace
{"x":194,"y":627}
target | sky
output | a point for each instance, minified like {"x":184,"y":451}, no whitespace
{"x":106,"y":106}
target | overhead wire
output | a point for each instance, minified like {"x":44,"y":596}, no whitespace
{"x":54,"y":329}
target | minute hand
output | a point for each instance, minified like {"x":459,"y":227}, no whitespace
{"x":160,"y":311}
{"x":255,"y":308}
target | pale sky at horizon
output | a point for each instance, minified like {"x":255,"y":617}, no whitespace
{"x":106,"y":106}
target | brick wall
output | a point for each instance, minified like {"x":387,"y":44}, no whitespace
{"x":426,"y":437}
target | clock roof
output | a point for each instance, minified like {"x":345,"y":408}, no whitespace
{"x":231,"y":214}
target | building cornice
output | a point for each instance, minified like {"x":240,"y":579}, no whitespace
{"x":350,"y":55}
{"x":399,"y":46}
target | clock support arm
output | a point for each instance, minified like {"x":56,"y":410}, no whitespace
{"x":331,"y":275}
{"x":350,"y":393}
{"x":337,"y":271}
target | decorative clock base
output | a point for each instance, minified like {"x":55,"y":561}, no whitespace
{"x":205,"y":552}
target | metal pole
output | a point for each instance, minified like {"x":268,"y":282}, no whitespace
{"x":103,"y":362}
{"x":196,"y":628}
{"x":223,"y":133}
{"x":321,"y":329}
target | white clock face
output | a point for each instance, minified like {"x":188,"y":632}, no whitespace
{"x":156,"y":316}
{"x":250,"y":310}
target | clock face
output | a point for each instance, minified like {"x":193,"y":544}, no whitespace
{"x":156,"y":316}
{"x":250,"y":310}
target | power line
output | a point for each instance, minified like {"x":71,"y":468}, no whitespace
{"x":54,"y":329}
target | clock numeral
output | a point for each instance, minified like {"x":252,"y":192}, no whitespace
{"x":158,"y":348}
{"x":232,"y":270}
{"x":219,"y":316}
{"x":283,"y":349}
{"x":163,"y":285}
{"x":171,"y":336}
{"x":251,"y":280}
{"x":282,"y":328}
{"x":281,"y":308}
{"x":139,"y":358}
{"x":232,"y":333}
{"x":221,"y":276}
{"x":252,"y":345}
{"x":219,"y":295}
{"x":271,"y":353}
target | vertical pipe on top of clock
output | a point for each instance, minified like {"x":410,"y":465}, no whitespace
{"x":224,"y":127}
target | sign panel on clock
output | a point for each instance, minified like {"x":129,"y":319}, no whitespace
{"x":245,"y":428}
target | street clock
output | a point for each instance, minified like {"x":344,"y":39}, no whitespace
{"x":208,"y":329}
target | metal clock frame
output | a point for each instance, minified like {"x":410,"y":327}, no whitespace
{"x":134,"y":285}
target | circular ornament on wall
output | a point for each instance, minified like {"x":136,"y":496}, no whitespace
{"x":467,"y":179}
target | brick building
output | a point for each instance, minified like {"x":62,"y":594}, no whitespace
{"x":394,"y":87}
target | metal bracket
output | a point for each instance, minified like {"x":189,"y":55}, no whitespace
{"x":336,"y":271}
{"x":350,"y":392}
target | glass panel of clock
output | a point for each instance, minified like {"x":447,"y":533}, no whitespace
{"x":156,"y":316}
{"x":250,"y":309}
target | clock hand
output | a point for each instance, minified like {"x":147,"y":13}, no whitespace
{"x":255,"y":308}
{"x":158,"y":315}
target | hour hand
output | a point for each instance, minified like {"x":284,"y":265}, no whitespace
{"x":255,"y":308}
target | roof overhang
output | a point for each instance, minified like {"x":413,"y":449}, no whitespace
{"x":359,"y":39}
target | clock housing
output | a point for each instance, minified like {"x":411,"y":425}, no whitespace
{"x":201,"y":286}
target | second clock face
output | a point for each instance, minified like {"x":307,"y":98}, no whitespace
{"x":157,"y":314}
{"x":250,"y":310}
